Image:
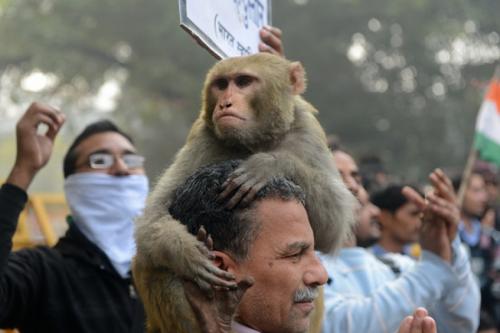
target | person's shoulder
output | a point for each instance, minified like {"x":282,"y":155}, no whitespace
{"x":40,"y":252}
{"x":35,"y":259}
{"x":352,"y":260}
{"x":403,"y":261}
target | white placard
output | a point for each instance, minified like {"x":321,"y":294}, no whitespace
{"x":227,"y":28}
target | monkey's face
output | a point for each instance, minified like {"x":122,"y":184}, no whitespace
{"x":232,"y":94}
{"x":249,"y":100}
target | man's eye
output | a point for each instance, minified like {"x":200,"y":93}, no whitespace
{"x":295,"y":256}
{"x":100,"y":161}
{"x":243,"y":81}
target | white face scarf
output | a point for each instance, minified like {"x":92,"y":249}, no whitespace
{"x":103,"y":208}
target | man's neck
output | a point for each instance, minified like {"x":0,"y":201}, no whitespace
{"x":467,"y":220}
{"x":390,"y":245}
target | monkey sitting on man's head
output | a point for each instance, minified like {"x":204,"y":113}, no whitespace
{"x":251,"y":110}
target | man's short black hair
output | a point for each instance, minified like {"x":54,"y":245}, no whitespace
{"x":195,"y":204}
{"x":391,"y":198}
{"x":97,"y":127}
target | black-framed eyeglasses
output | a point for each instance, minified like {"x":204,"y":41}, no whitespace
{"x":106,"y":160}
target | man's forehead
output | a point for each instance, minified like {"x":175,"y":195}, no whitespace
{"x":344,"y":161}
{"x":110,"y":141}
{"x":285,"y":221}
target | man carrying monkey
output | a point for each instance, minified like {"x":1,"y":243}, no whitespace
{"x":268,"y":246}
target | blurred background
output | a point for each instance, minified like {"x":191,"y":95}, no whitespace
{"x":400,"y":80}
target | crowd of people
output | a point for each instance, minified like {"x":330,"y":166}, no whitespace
{"x":417,"y":261}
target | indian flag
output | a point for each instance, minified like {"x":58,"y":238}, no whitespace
{"x":487,"y":137}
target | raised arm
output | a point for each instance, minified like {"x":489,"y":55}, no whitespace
{"x":439,"y":281}
{"x":33,"y":152}
{"x":33,"y":149}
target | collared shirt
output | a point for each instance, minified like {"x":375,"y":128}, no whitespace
{"x":240,"y":328}
{"x":471,"y":238}
{"x":408,"y":250}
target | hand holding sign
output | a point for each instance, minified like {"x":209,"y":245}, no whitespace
{"x":228,"y":28}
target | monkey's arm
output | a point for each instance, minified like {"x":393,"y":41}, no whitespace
{"x":162,"y":241}
{"x":214,"y":313}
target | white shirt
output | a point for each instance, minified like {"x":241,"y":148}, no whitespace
{"x":240,"y":328}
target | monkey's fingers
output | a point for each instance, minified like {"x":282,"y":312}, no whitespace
{"x":250,"y":196}
{"x":244,"y":183}
{"x":212,"y":272}
{"x":237,"y":197}
{"x":202,"y":234}
{"x":231,"y":185}
{"x":205,"y":287}
{"x":209,"y":243}
{"x":214,"y":281}
{"x":205,"y":251}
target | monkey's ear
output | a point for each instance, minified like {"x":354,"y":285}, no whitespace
{"x":297,"y":78}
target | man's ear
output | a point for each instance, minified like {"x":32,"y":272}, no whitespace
{"x":224,"y":261}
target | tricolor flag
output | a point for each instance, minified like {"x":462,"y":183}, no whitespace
{"x":487,"y":137}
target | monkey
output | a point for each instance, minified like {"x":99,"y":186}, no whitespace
{"x":252,"y":110}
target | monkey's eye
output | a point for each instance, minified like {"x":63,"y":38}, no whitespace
{"x":243,"y":81}
{"x":221,"y":83}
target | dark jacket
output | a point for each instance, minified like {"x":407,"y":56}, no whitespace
{"x":71,"y":287}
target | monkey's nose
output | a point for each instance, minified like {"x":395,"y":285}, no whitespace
{"x":225,"y":104}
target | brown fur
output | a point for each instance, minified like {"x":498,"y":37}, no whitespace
{"x":286,"y":140}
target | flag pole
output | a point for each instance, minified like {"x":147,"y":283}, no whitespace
{"x":471,"y":159}
{"x":469,"y":166}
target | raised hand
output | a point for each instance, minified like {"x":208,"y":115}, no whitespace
{"x":34,"y":149}
{"x":271,"y":41}
{"x":440,"y":215}
{"x":419,"y":322}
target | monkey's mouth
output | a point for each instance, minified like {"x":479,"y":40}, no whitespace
{"x":228,"y":115}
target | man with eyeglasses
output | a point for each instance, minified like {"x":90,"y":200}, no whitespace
{"x":83,"y":283}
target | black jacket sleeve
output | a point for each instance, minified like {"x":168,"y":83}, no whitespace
{"x":12,"y":201}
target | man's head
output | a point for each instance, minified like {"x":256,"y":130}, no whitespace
{"x":490,"y":176}
{"x":399,"y":218}
{"x":102,"y":147}
{"x":366,"y":230}
{"x":475,"y":195}
{"x":102,"y":202}
{"x":271,"y":240}
{"x":348,"y":170}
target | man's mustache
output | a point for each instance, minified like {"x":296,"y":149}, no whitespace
{"x":307,"y":294}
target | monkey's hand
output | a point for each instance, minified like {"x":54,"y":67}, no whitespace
{"x":203,"y":272}
{"x":215,"y":314}
{"x":244,"y":183}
